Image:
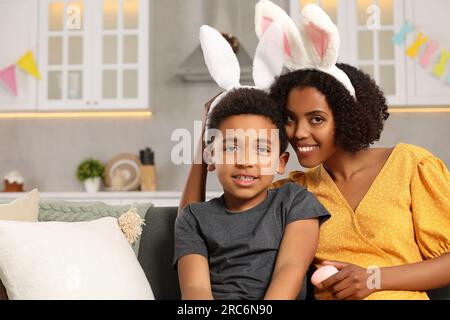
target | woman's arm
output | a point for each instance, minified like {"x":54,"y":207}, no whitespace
{"x":354,"y":282}
{"x":296,"y":253}
{"x":193,"y":275}
{"x":422,"y":276}
{"x":195,"y":186}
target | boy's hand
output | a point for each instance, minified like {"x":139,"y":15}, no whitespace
{"x":350,"y":283}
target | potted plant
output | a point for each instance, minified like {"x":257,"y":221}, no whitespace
{"x":90,"y":172}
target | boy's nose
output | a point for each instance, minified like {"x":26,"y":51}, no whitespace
{"x":246,"y":158}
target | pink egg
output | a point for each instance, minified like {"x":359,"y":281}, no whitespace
{"x":322,"y":274}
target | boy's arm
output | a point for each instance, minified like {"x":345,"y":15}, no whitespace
{"x":193,"y":275}
{"x":296,"y":253}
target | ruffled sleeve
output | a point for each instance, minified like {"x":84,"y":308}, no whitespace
{"x":297,"y":177}
{"x":430,"y":204}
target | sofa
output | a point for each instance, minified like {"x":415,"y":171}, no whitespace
{"x":156,"y":252}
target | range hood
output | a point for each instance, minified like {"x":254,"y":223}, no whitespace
{"x":221,"y":15}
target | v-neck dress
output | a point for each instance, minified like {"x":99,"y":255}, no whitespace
{"x":403,"y":218}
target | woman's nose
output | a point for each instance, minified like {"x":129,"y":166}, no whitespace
{"x":302,"y":132}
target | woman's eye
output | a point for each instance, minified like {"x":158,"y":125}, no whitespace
{"x":290,"y":118}
{"x":316,"y":120}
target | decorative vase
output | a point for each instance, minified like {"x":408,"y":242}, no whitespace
{"x":92,"y":185}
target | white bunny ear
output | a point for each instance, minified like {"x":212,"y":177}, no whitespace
{"x":343,"y":78}
{"x":320,"y":36}
{"x":295,"y":54}
{"x":269,"y":57}
{"x":219,"y":57}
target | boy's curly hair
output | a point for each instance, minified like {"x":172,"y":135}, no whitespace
{"x":358,"y":123}
{"x":253,"y":102}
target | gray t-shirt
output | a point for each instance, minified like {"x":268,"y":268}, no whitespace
{"x":241,"y":248}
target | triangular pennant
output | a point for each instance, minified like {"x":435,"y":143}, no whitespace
{"x":8,"y":77}
{"x":27,"y":64}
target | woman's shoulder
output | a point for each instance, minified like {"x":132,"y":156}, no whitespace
{"x":415,"y":154}
{"x":297,"y":177}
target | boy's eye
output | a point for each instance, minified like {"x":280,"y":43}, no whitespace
{"x":231,"y":148}
{"x":263,"y":150}
{"x":316,"y":120}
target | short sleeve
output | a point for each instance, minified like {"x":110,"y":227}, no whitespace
{"x":188,"y":237}
{"x":297,"y":177}
{"x":304,"y":206}
{"x":430,"y":198}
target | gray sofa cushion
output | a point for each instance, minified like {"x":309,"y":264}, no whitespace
{"x":156,"y":252}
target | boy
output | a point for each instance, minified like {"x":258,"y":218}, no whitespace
{"x":251,"y":243}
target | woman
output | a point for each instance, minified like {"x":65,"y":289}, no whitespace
{"x":389,"y":235}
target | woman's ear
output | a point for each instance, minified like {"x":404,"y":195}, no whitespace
{"x":284,"y":158}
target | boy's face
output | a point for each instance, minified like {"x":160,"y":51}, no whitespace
{"x":246,"y":155}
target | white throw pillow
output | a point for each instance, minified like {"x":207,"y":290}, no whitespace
{"x":70,"y":260}
{"x":25,"y":208}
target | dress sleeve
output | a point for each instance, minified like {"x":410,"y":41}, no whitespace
{"x":188,"y":237}
{"x":297,"y":177}
{"x":430,"y":198}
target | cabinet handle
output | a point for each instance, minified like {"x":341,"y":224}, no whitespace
{"x":88,"y":102}
{"x":96,"y":102}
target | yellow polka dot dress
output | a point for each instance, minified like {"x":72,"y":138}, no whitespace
{"x":404,"y":217}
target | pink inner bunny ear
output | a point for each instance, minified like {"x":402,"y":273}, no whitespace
{"x":319,"y":38}
{"x":287,"y":47}
{"x":265,"y":23}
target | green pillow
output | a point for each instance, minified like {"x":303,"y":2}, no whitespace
{"x":67,"y":211}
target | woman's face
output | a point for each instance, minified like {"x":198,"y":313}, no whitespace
{"x":310,"y":126}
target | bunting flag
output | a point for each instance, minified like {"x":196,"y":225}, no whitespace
{"x":430,"y":48}
{"x":8,"y":77}
{"x":28,"y":64}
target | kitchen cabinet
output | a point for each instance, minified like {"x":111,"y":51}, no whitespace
{"x":431,"y":18}
{"x":367,"y":28}
{"x":94,"y":54}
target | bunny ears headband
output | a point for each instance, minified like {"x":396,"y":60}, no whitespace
{"x":315,"y":45}
{"x":223,"y":64}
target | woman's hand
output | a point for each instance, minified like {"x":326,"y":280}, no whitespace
{"x":206,"y":111}
{"x":350,"y":283}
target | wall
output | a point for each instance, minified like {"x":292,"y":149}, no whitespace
{"x":48,"y":151}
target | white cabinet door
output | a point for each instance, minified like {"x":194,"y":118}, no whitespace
{"x":94,"y":54}
{"x":18,"y":25}
{"x":65,"y":57}
{"x":121,"y":54}
{"x":431,"y":18}
{"x":371,"y":27}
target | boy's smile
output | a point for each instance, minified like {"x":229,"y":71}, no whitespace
{"x":246,"y":158}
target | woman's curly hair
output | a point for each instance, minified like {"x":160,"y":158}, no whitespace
{"x":358,"y":123}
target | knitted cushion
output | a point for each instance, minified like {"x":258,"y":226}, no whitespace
{"x":67,"y":211}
